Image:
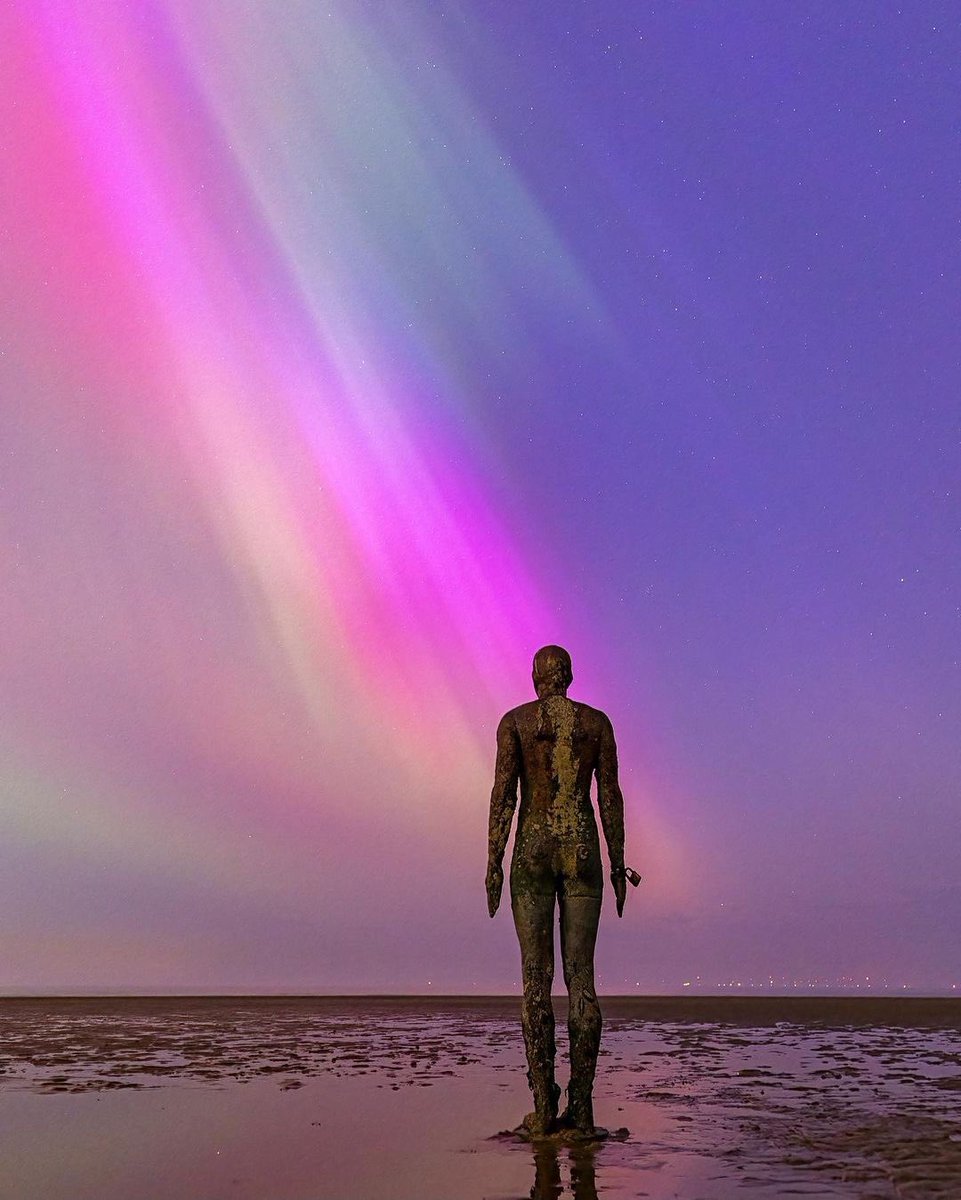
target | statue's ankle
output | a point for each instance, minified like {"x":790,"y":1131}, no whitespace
{"x":546,"y":1099}
{"x":579,"y":1113}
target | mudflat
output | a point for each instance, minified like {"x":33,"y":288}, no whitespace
{"x":388,"y":1098}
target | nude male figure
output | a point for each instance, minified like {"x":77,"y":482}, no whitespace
{"x":553,"y":747}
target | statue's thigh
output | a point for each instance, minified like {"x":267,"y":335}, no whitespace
{"x":579,"y":919}
{"x":534,"y":922}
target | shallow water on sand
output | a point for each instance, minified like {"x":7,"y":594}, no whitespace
{"x":396,"y":1099}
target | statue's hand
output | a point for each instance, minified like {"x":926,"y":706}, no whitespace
{"x":495,"y":882}
{"x":619,"y":880}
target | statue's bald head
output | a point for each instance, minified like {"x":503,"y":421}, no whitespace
{"x":552,"y":672}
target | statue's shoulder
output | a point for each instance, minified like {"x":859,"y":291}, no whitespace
{"x":524,"y":712}
{"x":591,"y":720}
{"x":521,"y":716}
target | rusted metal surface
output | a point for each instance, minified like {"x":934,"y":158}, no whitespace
{"x":551,"y":750}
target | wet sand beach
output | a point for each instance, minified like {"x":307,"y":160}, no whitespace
{"x":396,"y":1098}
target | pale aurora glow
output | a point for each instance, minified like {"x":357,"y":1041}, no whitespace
{"x":269,"y":602}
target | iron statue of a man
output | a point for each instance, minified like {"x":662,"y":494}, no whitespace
{"x":554,"y":747}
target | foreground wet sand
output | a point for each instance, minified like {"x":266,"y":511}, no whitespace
{"x":390,"y":1099}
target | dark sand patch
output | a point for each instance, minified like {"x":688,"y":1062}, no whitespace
{"x":834,"y":1098}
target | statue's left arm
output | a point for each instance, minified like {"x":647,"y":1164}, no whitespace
{"x":503,"y":803}
{"x":611,"y":803}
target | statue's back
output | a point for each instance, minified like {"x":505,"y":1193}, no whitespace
{"x":556,"y":847}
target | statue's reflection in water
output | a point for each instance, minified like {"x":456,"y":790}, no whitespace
{"x":547,"y":1173}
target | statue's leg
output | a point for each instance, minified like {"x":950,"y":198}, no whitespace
{"x":534,"y":921}
{"x":579,"y":917}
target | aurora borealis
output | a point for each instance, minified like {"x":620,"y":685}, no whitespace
{"x":351,"y":352}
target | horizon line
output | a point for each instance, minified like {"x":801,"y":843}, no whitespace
{"x":794,"y":994}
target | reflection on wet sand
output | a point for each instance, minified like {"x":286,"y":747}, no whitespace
{"x":547,"y":1173}
{"x":287,"y":1097}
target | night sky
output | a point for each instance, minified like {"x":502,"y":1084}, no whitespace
{"x":352,"y":351}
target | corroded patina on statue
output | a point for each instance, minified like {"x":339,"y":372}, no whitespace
{"x":554,"y":747}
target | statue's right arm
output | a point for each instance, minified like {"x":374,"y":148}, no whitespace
{"x":611,"y":803}
{"x":503,"y":803}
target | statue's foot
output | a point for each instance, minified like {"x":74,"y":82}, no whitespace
{"x":580,"y":1131}
{"x":537,"y":1125}
{"x":583,"y":1133}
{"x":577,"y":1121}
{"x":542,"y":1122}
{"x":534,"y":1129}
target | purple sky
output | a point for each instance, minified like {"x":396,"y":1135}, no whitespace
{"x":349,"y":357}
